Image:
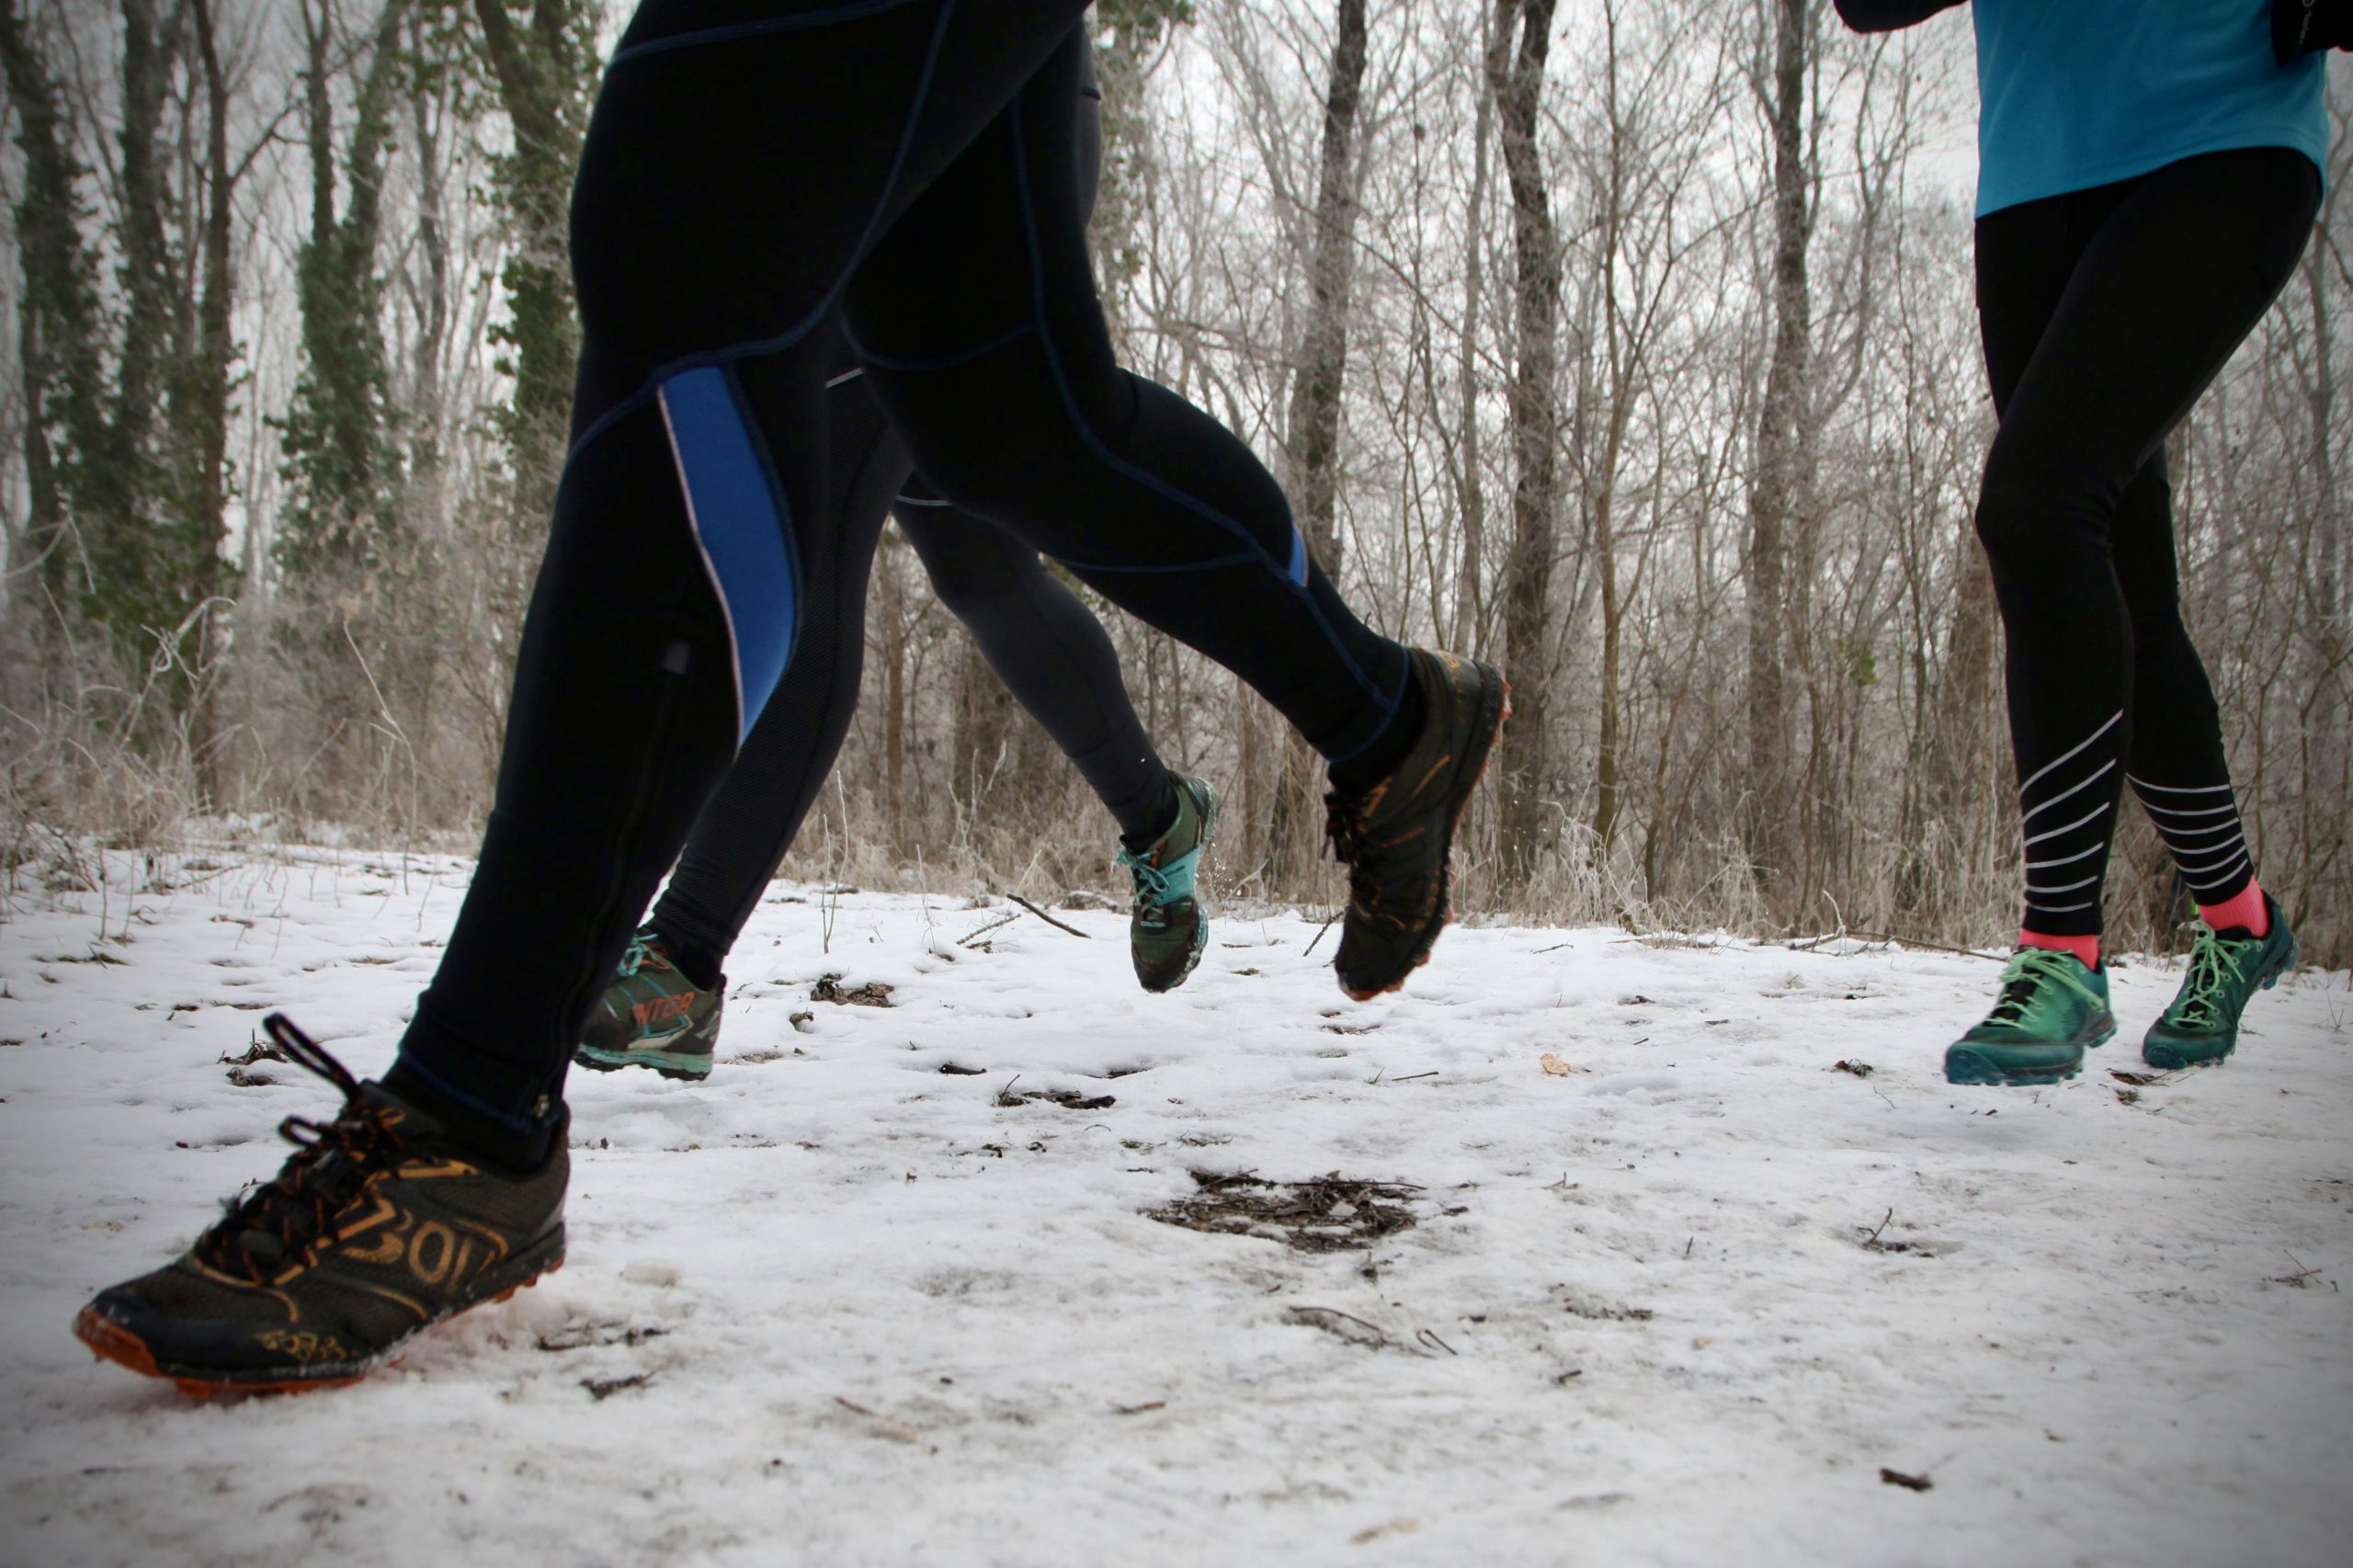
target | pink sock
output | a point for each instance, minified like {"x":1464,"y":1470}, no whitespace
{"x":2085,"y":949}
{"x":2247,"y":912}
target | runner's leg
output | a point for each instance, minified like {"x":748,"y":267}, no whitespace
{"x":2168,"y":273}
{"x":979,"y":324}
{"x":1051,"y":653}
{"x":667,"y":606}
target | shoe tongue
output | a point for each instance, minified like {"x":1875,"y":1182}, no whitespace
{"x":263,"y":1247}
{"x":397,"y":1112}
{"x":2237,"y":934}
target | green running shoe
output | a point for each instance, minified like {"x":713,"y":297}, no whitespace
{"x":651,"y":1015}
{"x":1166,"y":929}
{"x":2203,"y":1025}
{"x":377,"y":1227}
{"x":2052,"y":1008}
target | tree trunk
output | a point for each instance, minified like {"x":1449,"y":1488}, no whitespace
{"x":1782,"y":484}
{"x":1313,"y":459}
{"x":2327,"y":773}
{"x":1469,"y":631}
{"x":207,"y":382}
{"x":57,"y":332}
{"x":544,"y":82}
{"x":895,"y":673}
{"x":1515,"y":76}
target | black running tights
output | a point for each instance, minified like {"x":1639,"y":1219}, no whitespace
{"x":1052,"y":655}
{"x":750,"y":166}
{"x":2106,"y":313}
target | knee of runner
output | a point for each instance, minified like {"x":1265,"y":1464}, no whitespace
{"x":2031,"y":498}
{"x":960,"y":591}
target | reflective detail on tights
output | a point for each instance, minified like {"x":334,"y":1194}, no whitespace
{"x":2207,"y":842}
{"x":2071,"y":843}
{"x":2113,"y":720}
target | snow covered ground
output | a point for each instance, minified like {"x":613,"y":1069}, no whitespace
{"x":872,"y":1295}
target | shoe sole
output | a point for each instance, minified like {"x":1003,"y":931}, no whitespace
{"x":659,"y":1060}
{"x":1201,"y":926}
{"x":2157,"y":1056}
{"x":1462,"y":804}
{"x":1972,"y":1070}
{"x":657,"y":1055}
{"x":109,"y":1341}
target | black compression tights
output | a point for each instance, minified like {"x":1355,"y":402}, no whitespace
{"x":1052,"y":655}
{"x":2106,"y":313}
{"x":751,"y":165}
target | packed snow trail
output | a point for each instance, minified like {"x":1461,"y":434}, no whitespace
{"x":889,"y":1288}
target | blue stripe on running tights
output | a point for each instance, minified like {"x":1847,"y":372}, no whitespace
{"x":1298,"y":556}
{"x":736,"y":515}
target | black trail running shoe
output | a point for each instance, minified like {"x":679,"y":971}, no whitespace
{"x":376,"y":1228}
{"x":1397,"y":836}
{"x":1166,"y":929}
{"x":652,"y":1015}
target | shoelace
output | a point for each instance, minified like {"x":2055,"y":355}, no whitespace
{"x":640,"y":949}
{"x":2029,"y":971}
{"x":2213,"y":964}
{"x":294,"y":1212}
{"x":1347,"y":829}
{"x":1157,"y":887}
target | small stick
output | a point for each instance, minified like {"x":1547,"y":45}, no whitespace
{"x":898,"y":1429}
{"x":1429,"y":1336}
{"x":1411,"y":1077}
{"x":1921,"y":942}
{"x":1319,"y":936}
{"x":967,"y":939}
{"x":1334,"y":1312}
{"x":1046,"y":917}
{"x":1873,"y":1238}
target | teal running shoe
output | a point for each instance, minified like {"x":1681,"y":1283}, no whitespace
{"x":1166,"y":929}
{"x":651,"y":1015}
{"x":2052,"y":1008}
{"x":2202,"y":1024}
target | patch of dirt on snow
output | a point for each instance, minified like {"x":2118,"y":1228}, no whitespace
{"x":829,"y":988}
{"x":1330,"y":1214}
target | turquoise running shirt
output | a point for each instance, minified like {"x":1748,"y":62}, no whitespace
{"x":2074,"y":94}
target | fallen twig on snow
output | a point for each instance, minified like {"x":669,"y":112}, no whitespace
{"x":968,"y":938}
{"x":1318,"y":936}
{"x":895,"y":1429}
{"x":1049,"y":919}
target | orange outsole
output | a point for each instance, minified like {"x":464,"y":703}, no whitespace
{"x":109,"y":1341}
{"x":1446,"y":919}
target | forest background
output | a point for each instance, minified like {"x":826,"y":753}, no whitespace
{"x":1627,"y":343}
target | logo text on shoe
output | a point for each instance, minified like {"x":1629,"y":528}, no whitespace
{"x":301,"y":1346}
{"x":662,"y":1009}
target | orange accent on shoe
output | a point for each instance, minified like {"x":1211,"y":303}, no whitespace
{"x":109,"y":1341}
{"x":661,"y":1009}
{"x":1446,"y":915}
